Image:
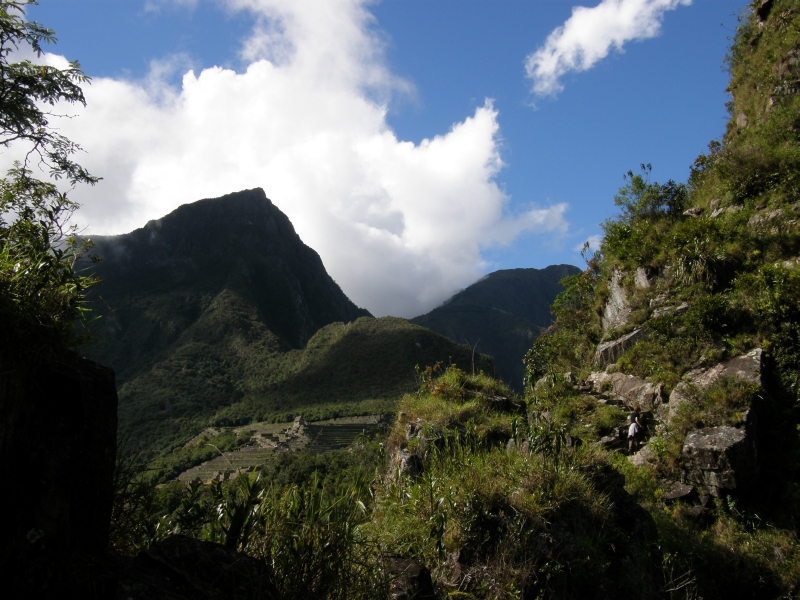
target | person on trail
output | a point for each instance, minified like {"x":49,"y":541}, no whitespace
{"x":634,"y":429}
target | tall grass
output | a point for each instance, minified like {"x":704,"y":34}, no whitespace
{"x":309,"y":535}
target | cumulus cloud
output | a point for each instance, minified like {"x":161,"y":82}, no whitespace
{"x":400,"y":226}
{"x":589,"y":35}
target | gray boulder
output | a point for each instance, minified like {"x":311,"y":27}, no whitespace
{"x":720,"y":459}
{"x":678,"y":491}
{"x":695,"y":211}
{"x":766,"y":220}
{"x":630,"y":390}
{"x":642,"y":279}
{"x":643,"y":457}
{"x":746,"y":367}
{"x":670,"y":310}
{"x":608,"y":353}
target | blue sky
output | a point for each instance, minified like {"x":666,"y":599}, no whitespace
{"x":327,"y":104}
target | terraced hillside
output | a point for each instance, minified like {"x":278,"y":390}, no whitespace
{"x":266,"y":440}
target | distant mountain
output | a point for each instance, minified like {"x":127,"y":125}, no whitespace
{"x":502,"y":313}
{"x":207,"y":314}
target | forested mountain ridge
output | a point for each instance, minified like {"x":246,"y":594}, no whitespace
{"x":502,"y":313}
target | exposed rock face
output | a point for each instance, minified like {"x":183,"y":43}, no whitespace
{"x":642,"y":278}
{"x":406,"y":464}
{"x":670,"y":310}
{"x":608,"y":353}
{"x":766,"y":220}
{"x":182,"y":567}
{"x":720,"y":459}
{"x":617,"y":308}
{"x":58,"y":428}
{"x":746,"y":367}
{"x":678,"y":491}
{"x":695,"y":211}
{"x":632,"y":391}
{"x":642,"y":457}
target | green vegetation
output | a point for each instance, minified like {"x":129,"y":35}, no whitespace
{"x":218,"y":315}
{"x":42,"y":292}
{"x":361,"y":368}
{"x":506,"y":506}
{"x":544,"y":518}
{"x":500,"y":495}
{"x":302,"y":517}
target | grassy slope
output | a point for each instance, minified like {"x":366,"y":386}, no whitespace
{"x":503,"y":313}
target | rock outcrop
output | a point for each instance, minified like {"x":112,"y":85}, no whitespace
{"x":608,"y":353}
{"x":643,"y":278}
{"x":720,"y":459}
{"x":405,"y":464}
{"x":746,"y":367}
{"x":630,"y":390}
{"x":618,"y":308}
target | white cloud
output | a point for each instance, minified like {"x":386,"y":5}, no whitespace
{"x":594,"y":242}
{"x":588,"y":36}
{"x":400,"y":226}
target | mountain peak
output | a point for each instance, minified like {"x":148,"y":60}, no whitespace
{"x":161,"y":278}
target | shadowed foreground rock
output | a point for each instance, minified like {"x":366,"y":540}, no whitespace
{"x":409,"y":579}
{"x":183,"y":568}
{"x":58,"y":429}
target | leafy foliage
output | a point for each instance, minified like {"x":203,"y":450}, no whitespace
{"x":41,"y":290}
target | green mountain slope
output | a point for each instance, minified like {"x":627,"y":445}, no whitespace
{"x":218,"y":313}
{"x":503,"y":313}
{"x":357,"y":368}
